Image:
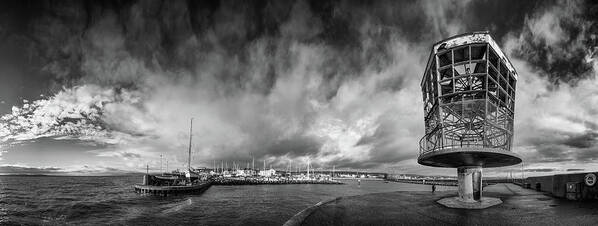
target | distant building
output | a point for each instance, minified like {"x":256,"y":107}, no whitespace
{"x":249,"y":172}
{"x":240,"y":173}
{"x":267,"y":173}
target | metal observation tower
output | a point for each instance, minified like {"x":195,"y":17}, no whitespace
{"x":469,"y":102}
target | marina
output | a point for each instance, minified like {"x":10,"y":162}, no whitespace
{"x":194,"y":181}
{"x":270,"y":181}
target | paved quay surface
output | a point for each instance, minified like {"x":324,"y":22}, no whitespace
{"x":520,"y":207}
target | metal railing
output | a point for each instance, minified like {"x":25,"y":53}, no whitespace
{"x":426,"y":146}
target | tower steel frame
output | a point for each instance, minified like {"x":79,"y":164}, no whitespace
{"x":468,"y":92}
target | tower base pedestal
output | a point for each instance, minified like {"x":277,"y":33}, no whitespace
{"x":457,"y":203}
{"x":469,"y":179}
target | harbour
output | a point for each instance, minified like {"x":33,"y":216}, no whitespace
{"x":110,"y":200}
{"x":196,"y":181}
{"x":270,"y":181}
{"x":298,"y":113}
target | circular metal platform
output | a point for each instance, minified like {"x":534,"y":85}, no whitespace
{"x":458,"y":157}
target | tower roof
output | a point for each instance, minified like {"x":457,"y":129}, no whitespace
{"x":466,"y":39}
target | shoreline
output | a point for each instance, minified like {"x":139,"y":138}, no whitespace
{"x":425,"y":182}
{"x":447,"y":182}
{"x":261,"y":181}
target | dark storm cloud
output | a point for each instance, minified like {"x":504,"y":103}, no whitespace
{"x":295,"y":146}
{"x":554,"y":153}
{"x":571,"y":140}
{"x":386,"y":146}
{"x":347,"y":163}
{"x":561,"y":53}
{"x":231,"y":50}
{"x":67,"y":40}
{"x":336,"y":81}
{"x":553,"y":52}
{"x":39,"y":50}
{"x":586,"y":140}
{"x":589,"y":154}
{"x":182,"y":35}
{"x":501,"y":17}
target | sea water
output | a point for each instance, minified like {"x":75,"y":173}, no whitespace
{"x":111,"y":200}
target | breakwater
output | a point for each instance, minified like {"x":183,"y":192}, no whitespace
{"x":259,"y":181}
{"x":426,"y":182}
{"x":447,"y":182}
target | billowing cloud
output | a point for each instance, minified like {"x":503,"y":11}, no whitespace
{"x":80,"y":112}
{"x":335,"y":82}
{"x":556,"y":92}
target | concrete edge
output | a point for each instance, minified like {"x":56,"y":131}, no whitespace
{"x":298,"y":218}
{"x":456,"y":203}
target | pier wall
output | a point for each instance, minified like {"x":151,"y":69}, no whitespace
{"x":543,"y":183}
{"x":570,"y":186}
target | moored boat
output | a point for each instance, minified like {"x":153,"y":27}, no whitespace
{"x":166,"y":190}
{"x":175,"y":183}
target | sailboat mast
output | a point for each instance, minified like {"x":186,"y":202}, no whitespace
{"x":190,"y":137}
{"x":307,"y":167}
{"x":333,"y":171}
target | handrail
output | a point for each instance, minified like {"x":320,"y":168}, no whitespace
{"x":436,"y":128}
{"x":423,"y":145}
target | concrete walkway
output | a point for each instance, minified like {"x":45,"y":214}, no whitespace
{"x":520,"y":207}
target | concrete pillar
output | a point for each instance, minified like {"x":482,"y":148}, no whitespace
{"x":470,"y":183}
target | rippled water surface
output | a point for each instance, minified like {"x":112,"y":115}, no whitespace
{"x":111,"y":200}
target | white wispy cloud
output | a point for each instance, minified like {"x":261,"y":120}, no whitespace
{"x":82,"y":113}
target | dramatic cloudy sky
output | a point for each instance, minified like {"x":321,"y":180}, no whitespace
{"x":102,"y":87}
